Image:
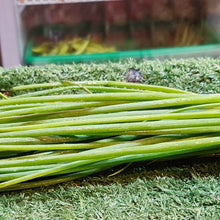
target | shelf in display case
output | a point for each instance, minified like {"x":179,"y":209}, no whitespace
{"x":46,"y":2}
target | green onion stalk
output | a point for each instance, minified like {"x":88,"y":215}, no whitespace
{"x":47,"y":137}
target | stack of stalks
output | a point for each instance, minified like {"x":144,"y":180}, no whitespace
{"x":63,"y":131}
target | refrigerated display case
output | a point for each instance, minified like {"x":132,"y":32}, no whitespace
{"x":66,"y":31}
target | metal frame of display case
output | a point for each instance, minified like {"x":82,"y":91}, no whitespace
{"x":9,"y":36}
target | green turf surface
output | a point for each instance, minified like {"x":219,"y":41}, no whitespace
{"x":197,"y":75}
{"x":181,"y":189}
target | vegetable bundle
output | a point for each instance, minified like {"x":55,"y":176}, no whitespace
{"x":62,"y":131}
{"x":75,"y":46}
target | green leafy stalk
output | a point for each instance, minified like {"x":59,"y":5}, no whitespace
{"x":50,"y":147}
{"x":156,"y":104}
{"x":24,"y":168}
{"x":116,"y":151}
{"x":137,"y":86}
{"x":37,"y":86}
{"x":49,"y":108}
{"x":69,"y":88}
{"x":40,"y":173}
{"x":114,"y":127}
{"x":137,"y":96}
{"x":103,"y":165}
{"x":51,"y":139}
{"x":146,"y":87}
{"x":167,"y":148}
{"x":110,"y":120}
{"x":3,"y":96}
{"x":21,"y":106}
{"x":22,"y":141}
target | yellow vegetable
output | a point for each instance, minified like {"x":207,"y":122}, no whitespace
{"x":75,"y":46}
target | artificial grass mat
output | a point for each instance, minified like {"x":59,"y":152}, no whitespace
{"x":183,"y":189}
{"x":179,"y":189}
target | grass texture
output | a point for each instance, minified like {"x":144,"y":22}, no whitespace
{"x":196,"y":75}
{"x":183,"y":189}
{"x":180,"y":189}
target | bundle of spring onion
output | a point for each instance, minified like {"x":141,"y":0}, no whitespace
{"x":57,"y":132}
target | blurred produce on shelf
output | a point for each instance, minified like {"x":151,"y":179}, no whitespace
{"x":213,"y":14}
{"x":75,"y":46}
{"x":139,"y":14}
{"x":116,"y":22}
{"x":179,"y":34}
{"x":186,"y":35}
{"x":185,"y":9}
{"x":140,"y":10}
{"x":119,"y":25}
{"x":162,"y":10}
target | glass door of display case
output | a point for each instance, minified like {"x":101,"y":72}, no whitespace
{"x":66,"y":31}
